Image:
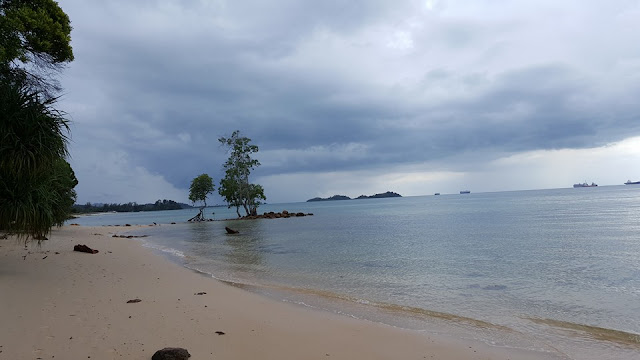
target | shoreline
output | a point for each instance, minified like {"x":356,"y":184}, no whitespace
{"x":73,"y":305}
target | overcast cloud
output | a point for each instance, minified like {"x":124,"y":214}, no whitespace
{"x":353,"y":97}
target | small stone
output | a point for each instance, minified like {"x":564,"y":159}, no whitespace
{"x":171,"y":354}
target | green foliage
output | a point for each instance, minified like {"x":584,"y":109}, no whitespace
{"x":235,"y":187}
{"x":159,"y":205}
{"x":62,"y":188}
{"x":31,"y":203}
{"x":34,"y":31}
{"x":201,"y":187}
{"x":36,"y":181}
{"x":32,"y":133}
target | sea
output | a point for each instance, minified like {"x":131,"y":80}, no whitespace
{"x":552,"y":271}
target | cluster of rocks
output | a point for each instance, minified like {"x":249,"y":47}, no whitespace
{"x":277,"y":215}
{"x":130,"y":236}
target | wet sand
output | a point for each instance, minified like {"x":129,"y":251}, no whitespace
{"x":59,"y":304}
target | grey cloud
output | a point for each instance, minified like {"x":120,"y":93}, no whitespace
{"x":144,"y":88}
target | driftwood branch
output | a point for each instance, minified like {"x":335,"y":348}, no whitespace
{"x":199,"y":217}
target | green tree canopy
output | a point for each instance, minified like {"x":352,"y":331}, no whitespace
{"x":34,"y":31}
{"x":35,"y":42}
{"x":235,"y":187}
{"x":201,"y":187}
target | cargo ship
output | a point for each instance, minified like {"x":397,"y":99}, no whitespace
{"x":629,"y":182}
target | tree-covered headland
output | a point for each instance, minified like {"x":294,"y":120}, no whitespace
{"x":129,"y":207}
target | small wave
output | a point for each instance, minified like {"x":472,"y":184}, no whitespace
{"x":234,"y":283}
{"x":411,"y":311}
{"x":164,"y":249}
{"x":593,"y":332}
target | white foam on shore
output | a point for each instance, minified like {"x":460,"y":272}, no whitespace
{"x":164,"y":249}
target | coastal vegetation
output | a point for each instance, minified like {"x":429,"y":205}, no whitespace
{"x":36,"y":181}
{"x":129,"y":207}
{"x":387,"y":194}
{"x":201,"y":187}
{"x":235,"y":187}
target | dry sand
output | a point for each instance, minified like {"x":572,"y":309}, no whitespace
{"x":59,"y":304}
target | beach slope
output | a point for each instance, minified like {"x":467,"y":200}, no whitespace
{"x":59,"y":304}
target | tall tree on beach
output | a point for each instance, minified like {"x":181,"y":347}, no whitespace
{"x":36,"y":181}
{"x":235,"y":187}
{"x":201,"y":187}
{"x":35,"y":38}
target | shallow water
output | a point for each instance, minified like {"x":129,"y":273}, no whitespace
{"x":549,"y":270}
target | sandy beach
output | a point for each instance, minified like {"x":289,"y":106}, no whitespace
{"x":59,"y":304}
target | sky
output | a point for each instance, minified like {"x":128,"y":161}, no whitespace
{"x":352,"y":97}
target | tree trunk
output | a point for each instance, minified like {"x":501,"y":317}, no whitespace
{"x":246,"y":209}
{"x":200,"y":216}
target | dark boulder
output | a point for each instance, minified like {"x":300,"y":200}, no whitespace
{"x":171,"y":354}
{"x":84,"y":248}
{"x":231,"y":231}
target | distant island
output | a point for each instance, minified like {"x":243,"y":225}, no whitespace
{"x":128,"y":207}
{"x":334,"y":197}
{"x":388,"y":194}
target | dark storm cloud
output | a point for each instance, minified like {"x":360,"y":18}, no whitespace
{"x":328,"y":86}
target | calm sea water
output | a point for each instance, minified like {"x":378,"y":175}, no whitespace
{"x":556,"y":271}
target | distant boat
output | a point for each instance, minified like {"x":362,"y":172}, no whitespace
{"x":629,"y":182}
{"x":436,"y":194}
{"x":584,"y":184}
{"x":465,"y":192}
